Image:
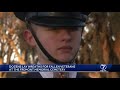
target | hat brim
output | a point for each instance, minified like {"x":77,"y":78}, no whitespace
{"x":58,"y":22}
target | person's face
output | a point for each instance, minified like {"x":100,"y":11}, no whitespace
{"x":60,"y":43}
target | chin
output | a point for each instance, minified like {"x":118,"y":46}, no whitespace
{"x":65,"y":59}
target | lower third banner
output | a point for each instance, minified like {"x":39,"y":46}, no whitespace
{"x":60,"y":68}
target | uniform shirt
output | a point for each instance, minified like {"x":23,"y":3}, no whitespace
{"x":50,"y":74}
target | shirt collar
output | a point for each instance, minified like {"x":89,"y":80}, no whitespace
{"x":50,"y":74}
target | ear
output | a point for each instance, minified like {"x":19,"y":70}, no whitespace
{"x":29,"y":38}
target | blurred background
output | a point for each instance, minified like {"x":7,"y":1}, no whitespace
{"x":100,"y":43}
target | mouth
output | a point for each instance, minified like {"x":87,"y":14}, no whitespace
{"x":66,"y":49}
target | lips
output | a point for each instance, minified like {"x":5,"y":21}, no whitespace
{"x":65,"y":48}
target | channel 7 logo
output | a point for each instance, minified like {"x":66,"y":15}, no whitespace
{"x":103,"y":67}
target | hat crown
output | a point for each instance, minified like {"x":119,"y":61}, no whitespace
{"x":54,"y":18}
{"x":28,"y":15}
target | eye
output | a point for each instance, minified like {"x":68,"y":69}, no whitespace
{"x":74,"y":28}
{"x":54,"y":28}
{"x":66,"y":28}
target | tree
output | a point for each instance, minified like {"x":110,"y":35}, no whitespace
{"x":101,"y":44}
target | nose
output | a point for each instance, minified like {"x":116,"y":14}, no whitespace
{"x":66,"y":35}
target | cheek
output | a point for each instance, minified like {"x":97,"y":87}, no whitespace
{"x":77,"y":39}
{"x":48,"y":43}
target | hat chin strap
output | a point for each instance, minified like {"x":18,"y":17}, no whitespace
{"x":50,"y":58}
